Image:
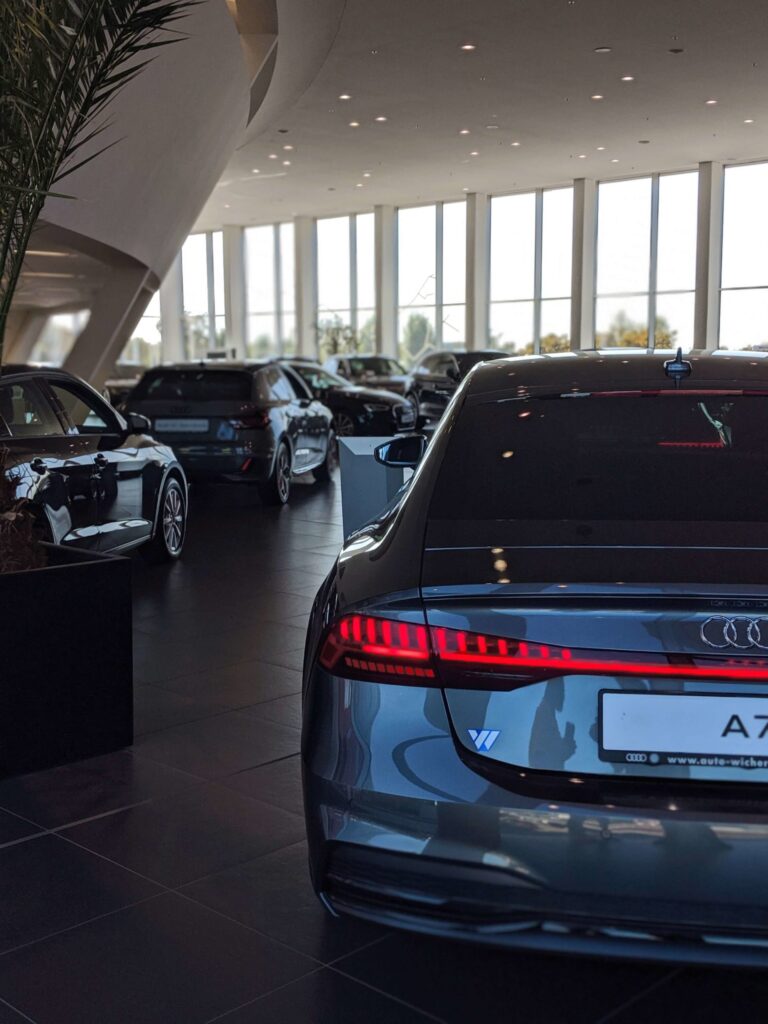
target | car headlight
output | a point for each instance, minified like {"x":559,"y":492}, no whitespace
{"x":376,"y":407}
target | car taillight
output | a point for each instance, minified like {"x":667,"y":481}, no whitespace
{"x":254,"y":421}
{"x":392,"y":651}
{"x":385,"y":648}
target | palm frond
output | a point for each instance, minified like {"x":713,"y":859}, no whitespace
{"x":62,"y":62}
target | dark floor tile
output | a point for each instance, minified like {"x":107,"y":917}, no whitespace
{"x":274,"y":895}
{"x":325,"y":997}
{"x":284,"y":711}
{"x":705,"y":995}
{"x":240,"y":685}
{"x":86,"y":788}
{"x":215,"y":747}
{"x":183,"y":838}
{"x":13,"y":828}
{"x":157,"y":659}
{"x":165,"y":961}
{"x":287,"y":659}
{"x":278,"y":783}
{"x":9,"y":1016}
{"x":155,"y":709}
{"x":451,"y":979}
{"x":47,"y":884}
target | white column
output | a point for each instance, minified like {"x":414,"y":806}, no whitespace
{"x":235,"y":297}
{"x":709,"y":256}
{"x":305,"y":262}
{"x":173,"y":348}
{"x":583,"y":269}
{"x":23,"y":330}
{"x":478,"y":270}
{"x":385,"y":226}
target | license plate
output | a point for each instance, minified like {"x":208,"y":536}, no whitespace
{"x":182,"y":426}
{"x":693,"y":729}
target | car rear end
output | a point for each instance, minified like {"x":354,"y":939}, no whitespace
{"x":212,"y":417}
{"x":554,"y":732}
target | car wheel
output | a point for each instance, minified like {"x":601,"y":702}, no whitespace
{"x":170,"y":527}
{"x":344,"y":425}
{"x":324,"y":471}
{"x":277,"y":489}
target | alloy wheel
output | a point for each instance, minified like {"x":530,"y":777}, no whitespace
{"x":283,"y":474}
{"x":173,"y":520}
{"x":343,"y":425}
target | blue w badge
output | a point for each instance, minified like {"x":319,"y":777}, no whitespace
{"x":483,"y":738}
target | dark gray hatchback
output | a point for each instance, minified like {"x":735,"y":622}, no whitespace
{"x":536,"y":691}
{"x":239,"y":421}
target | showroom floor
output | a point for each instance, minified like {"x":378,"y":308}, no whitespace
{"x":168,"y":883}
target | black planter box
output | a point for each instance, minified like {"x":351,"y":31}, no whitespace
{"x":66,"y":660}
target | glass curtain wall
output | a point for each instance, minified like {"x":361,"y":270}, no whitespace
{"x":646,"y":262}
{"x":530,"y":277}
{"x":744,"y":282}
{"x":202,"y":271}
{"x":431,"y":277}
{"x":346,"y":284}
{"x":145,"y":346}
{"x":269,"y":271}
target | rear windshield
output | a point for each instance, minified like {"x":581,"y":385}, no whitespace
{"x":375,"y":365}
{"x":195,"y":386}
{"x":671,"y":457}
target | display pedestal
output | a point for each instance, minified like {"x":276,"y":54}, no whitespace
{"x":366,"y":485}
{"x":66,"y":675}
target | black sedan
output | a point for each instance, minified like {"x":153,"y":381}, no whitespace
{"x":94,"y":478}
{"x":243,"y":421}
{"x":436,"y":376}
{"x":369,"y":412}
{"x":369,"y":371}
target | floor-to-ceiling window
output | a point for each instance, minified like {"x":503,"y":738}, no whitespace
{"x":145,"y":345}
{"x":58,"y":336}
{"x":646,"y":261}
{"x":431,"y":277}
{"x":346,"y":286}
{"x":530,"y":274}
{"x":269,"y":271}
{"x":202,"y":270}
{"x":744,"y":292}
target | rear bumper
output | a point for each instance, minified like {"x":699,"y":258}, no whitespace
{"x":232,"y":463}
{"x":404,"y":832}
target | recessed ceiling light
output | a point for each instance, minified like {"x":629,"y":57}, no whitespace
{"x":465,"y":189}
{"x":380,"y":118}
{"x":615,"y":160}
{"x":226,"y":206}
{"x":602,"y":49}
{"x":514,"y":143}
{"x":464,"y":131}
{"x":288,"y":146}
{"x":711,"y":103}
{"x":345,"y":96}
{"x":374,"y":52}
{"x":359,"y":184}
{"x":366,"y":174}
{"x":273,"y":156}
{"x":628,"y":78}
{"x":600,"y":149}
{"x":286,"y":163}
{"x":354,"y":124}
{"x":474,"y":153}
{"x":597,"y":96}
{"x":749,"y":120}
{"x":644,"y":142}
{"x":467,"y":47}
{"x":491,"y":126}
{"x":582,"y":156}
{"x":255,"y":170}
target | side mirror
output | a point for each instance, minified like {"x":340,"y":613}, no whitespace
{"x":138,"y":424}
{"x":402,"y":452}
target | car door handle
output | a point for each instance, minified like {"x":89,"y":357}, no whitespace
{"x":37,"y":466}
{"x":101,"y":461}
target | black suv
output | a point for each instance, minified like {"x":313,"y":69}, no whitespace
{"x":94,"y":478}
{"x":434,"y":379}
{"x":369,"y":371}
{"x":244,"y":421}
{"x":370,"y":412}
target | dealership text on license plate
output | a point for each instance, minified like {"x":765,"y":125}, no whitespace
{"x":693,"y":729}
{"x":188,"y":426}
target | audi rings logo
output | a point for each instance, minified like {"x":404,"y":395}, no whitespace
{"x":721,"y":631}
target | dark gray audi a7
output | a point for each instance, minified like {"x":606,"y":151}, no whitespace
{"x":536,"y":690}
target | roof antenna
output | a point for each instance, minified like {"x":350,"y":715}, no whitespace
{"x":678,"y":368}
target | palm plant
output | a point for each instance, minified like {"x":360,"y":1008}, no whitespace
{"x":61,"y":63}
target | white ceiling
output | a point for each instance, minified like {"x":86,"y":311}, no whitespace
{"x":532,"y":74}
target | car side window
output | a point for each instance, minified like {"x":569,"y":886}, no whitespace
{"x":84,"y":412}
{"x":300,"y":389}
{"x":427,"y":364}
{"x":26,"y":413}
{"x":272,"y":385}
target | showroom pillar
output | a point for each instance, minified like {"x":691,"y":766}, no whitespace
{"x":172,"y":314}
{"x":478,"y":270}
{"x":709,"y":256}
{"x":584,"y":263}
{"x":305,"y":261}
{"x":235,"y":299}
{"x":24,"y":328}
{"x":115,"y":311}
{"x":385,"y":244}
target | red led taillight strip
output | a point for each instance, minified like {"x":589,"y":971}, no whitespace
{"x":394,"y":650}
